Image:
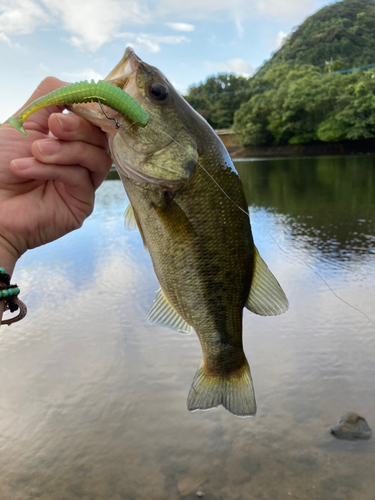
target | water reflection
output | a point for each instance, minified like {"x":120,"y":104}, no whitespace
{"x":93,"y":400}
{"x":329,"y":202}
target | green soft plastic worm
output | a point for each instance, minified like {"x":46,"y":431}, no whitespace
{"x":101,"y":92}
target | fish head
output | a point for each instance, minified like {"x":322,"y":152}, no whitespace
{"x":165,"y":151}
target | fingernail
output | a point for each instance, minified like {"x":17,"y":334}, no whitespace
{"x":22,"y":163}
{"x":49,"y":147}
{"x":68,"y":123}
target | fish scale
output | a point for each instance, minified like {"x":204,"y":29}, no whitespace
{"x":188,"y":203}
{"x":204,"y":269}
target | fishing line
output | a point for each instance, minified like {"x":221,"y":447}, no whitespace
{"x":246,"y":213}
{"x":202,"y":167}
{"x":321,"y":277}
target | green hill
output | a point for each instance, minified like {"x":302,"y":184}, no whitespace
{"x":292,"y":99}
{"x":343,"y":30}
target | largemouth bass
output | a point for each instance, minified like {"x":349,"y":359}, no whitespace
{"x":188,"y":203}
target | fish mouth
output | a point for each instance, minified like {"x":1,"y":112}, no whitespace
{"x":122,"y":72}
{"x":135,"y":150}
{"x":123,"y":76}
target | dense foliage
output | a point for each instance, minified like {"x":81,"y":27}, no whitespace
{"x":218,"y":98}
{"x":308,"y":106}
{"x":292,"y":98}
{"x":343,"y":30}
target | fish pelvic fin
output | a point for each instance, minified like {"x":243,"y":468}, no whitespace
{"x":234,"y":392}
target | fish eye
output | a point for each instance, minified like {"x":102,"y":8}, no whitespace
{"x":158,"y":91}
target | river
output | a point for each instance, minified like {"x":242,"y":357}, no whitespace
{"x":93,"y":399}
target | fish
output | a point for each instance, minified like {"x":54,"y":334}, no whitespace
{"x":188,"y":203}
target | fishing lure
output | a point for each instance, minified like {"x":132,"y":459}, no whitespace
{"x":101,"y":92}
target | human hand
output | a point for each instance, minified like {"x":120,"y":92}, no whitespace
{"x":47,"y":183}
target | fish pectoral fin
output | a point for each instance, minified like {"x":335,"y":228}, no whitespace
{"x":266,"y":297}
{"x":162,"y":313}
{"x":130,"y":222}
{"x":174,"y":220}
{"x":235,"y":393}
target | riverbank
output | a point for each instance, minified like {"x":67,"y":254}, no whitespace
{"x":366,"y":146}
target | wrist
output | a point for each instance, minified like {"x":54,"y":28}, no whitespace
{"x":8,"y":259}
{"x":8,"y":256}
{"x":9,"y":292}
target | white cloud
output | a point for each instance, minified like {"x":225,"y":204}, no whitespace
{"x":151,"y":43}
{"x":287,"y":9}
{"x":179,"y":87}
{"x":19,"y":17}
{"x":44,"y":68}
{"x":198,"y":9}
{"x":280,"y":39}
{"x":235,"y":9}
{"x":239,"y":26}
{"x":95,"y":22}
{"x":237,"y":66}
{"x":86,"y":74}
{"x":92,"y":23}
{"x":5,"y":39}
{"x":181,"y":26}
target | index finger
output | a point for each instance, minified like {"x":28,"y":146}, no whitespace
{"x":71,"y":127}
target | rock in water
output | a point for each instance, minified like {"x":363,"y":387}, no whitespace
{"x":351,"y":427}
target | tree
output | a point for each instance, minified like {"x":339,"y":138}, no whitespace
{"x":218,"y":98}
{"x":342,"y":30}
{"x":310,"y":106}
{"x":293,"y":99}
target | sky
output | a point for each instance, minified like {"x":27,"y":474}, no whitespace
{"x":188,"y":40}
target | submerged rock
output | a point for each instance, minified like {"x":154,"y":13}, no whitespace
{"x":352,"y":427}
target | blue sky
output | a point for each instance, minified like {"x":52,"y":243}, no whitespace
{"x":187,"y":39}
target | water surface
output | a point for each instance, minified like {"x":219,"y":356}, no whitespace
{"x":93,"y":399}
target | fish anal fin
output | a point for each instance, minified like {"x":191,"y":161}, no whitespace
{"x":235,"y":393}
{"x":266,"y":296}
{"x":162,"y":313}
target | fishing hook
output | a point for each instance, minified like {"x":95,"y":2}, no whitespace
{"x":109,"y":117}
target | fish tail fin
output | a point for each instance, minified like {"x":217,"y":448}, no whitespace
{"x":235,"y":392}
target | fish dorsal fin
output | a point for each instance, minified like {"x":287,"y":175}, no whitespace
{"x":266,"y":297}
{"x":163,"y":314}
{"x":130,"y":222}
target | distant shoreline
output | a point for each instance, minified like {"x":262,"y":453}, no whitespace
{"x":327,"y":149}
{"x":365,"y":146}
